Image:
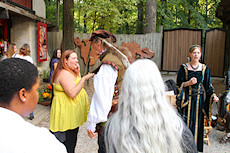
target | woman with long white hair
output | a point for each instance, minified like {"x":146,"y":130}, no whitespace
{"x":145,"y":121}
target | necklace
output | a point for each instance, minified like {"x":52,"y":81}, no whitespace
{"x":194,"y":68}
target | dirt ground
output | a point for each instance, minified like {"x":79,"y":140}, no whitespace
{"x":86,"y":145}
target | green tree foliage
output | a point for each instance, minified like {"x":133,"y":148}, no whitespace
{"x":112,"y":15}
{"x":51,"y":11}
{"x":121,"y":16}
{"x":175,"y":14}
{"x":99,"y":14}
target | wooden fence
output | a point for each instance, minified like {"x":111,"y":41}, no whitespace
{"x":153,"y":41}
{"x":214,"y":51}
{"x":170,"y":54}
{"x":176,"y":44}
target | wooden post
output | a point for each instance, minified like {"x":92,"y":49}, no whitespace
{"x":57,"y":13}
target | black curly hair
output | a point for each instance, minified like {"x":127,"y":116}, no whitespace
{"x":15,"y":74}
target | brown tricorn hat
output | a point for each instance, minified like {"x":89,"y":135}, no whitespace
{"x":103,"y":34}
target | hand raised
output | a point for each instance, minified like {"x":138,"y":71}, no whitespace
{"x":215,"y":99}
{"x":192,"y":81}
{"x":77,"y":70}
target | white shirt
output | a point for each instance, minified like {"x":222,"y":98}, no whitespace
{"x":101,"y":103}
{"x":28,"y":58}
{"x":228,"y":97}
{"x":19,"y":136}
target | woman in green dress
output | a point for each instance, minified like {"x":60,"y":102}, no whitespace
{"x":193,"y":78}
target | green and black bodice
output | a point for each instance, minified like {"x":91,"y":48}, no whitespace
{"x":195,"y":100}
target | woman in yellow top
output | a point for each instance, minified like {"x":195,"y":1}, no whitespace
{"x":70,"y":103}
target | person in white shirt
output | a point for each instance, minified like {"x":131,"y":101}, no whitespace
{"x":107,"y":80}
{"x":18,"y":97}
{"x":24,"y":53}
{"x":11,"y":50}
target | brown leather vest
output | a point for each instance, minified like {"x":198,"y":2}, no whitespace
{"x":121,"y":68}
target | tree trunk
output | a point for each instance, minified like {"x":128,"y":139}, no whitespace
{"x":94,"y":21}
{"x":150,"y":16}
{"x":68,"y":25}
{"x":127,"y":28}
{"x":85,"y":26}
{"x":206,"y":12}
{"x":79,"y":20}
{"x":163,"y":2}
{"x":57,"y":13}
{"x":189,"y":16}
{"x":140,"y":19}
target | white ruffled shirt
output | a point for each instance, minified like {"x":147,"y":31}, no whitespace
{"x":19,"y":136}
{"x":101,"y":102}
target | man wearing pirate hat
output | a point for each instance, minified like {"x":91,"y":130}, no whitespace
{"x":107,"y":80}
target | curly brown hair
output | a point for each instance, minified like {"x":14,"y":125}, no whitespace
{"x":25,"y":50}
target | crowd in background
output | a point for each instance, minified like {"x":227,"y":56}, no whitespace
{"x":131,"y":96}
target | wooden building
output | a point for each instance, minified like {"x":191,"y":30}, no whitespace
{"x":223,"y":13}
{"x":19,"y":24}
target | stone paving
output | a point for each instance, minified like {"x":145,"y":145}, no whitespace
{"x":86,"y":145}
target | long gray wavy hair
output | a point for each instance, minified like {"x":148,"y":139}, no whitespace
{"x":145,"y":121}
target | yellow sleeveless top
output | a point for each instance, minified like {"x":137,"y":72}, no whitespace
{"x":68,"y":113}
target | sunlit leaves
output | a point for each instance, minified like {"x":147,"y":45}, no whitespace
{"x":120,"y":16}
{"x":174,"y":14}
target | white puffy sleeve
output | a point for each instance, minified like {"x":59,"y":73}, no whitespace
{"x":101,"y":103}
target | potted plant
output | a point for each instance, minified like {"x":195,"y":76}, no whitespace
{"x":45,"y":95}
{"x":45,"y":76}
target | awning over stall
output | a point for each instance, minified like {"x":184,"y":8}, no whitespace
{"x":7,"y":8}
